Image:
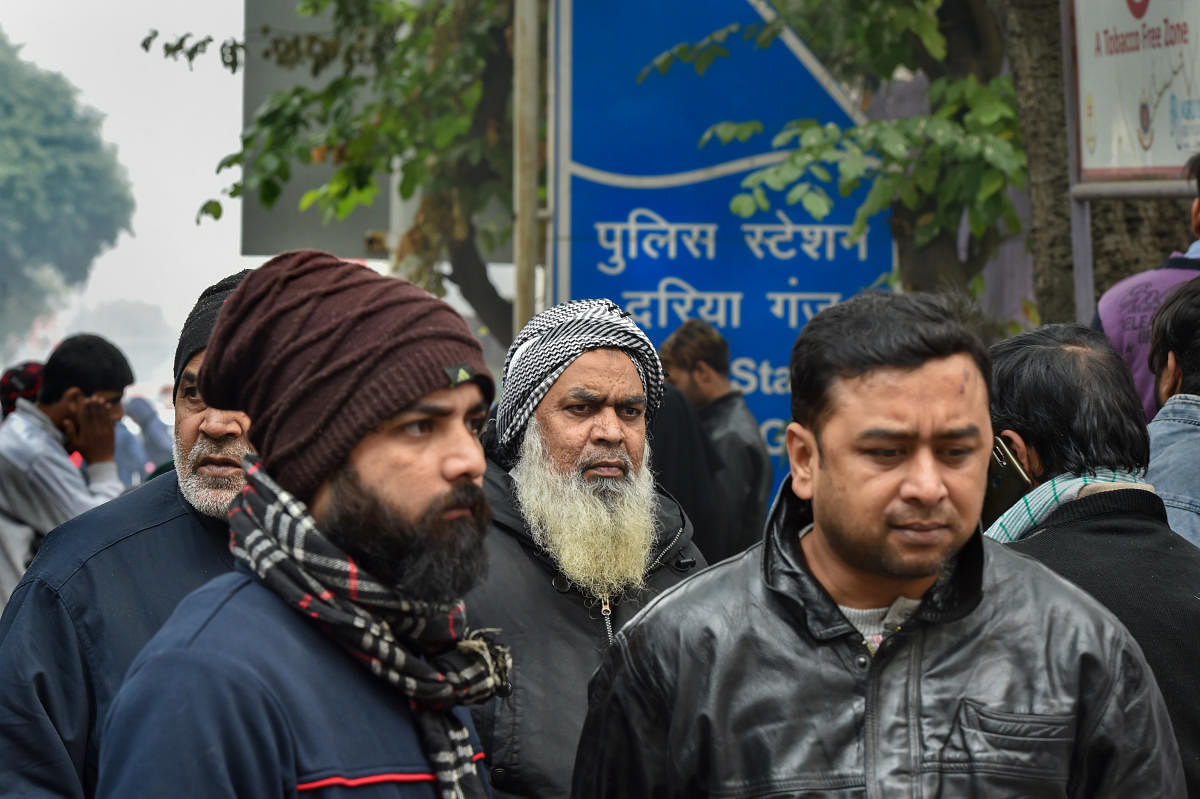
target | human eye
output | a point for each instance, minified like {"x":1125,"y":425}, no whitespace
{"x":579,"y":409}
{"x":886,"y":454}
{"x":957,"y":453}
{"x":477,"y":424}
{"x":417,"y":427}
{"x":630,"y":411}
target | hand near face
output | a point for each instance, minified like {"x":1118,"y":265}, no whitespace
{"x":93,"y":431}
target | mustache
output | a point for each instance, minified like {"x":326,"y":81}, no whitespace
{"x":588,"y":460}
{"x":209,"y":447}
{"x":467,"y":496}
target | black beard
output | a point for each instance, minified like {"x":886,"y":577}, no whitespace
{"x":426,"y":559}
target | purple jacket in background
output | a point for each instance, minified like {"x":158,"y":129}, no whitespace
{"x":1125,"y":312}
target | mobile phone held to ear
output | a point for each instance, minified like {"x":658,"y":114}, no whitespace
{"x":1006,"y":483}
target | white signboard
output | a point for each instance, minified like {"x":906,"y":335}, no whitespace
{"x":1139,"y":86}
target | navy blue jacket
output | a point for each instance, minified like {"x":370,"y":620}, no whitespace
{"x":100,"y":587}
{"x":240,"y":695}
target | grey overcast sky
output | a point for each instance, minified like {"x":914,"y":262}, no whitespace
{"x":170,"y":127}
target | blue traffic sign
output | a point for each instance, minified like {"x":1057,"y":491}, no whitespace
{"x":641,"y":211}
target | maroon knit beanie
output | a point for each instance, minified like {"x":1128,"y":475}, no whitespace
{"x":319,"y":352}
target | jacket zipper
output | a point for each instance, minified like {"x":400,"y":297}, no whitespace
{"x":606,"y":607}
{"x":658,"y":561}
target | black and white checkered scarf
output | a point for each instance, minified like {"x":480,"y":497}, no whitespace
{"x":424,"y":649}
{"x":551,"y":341}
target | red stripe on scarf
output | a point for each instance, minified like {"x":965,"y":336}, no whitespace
{"x":353,"y":577}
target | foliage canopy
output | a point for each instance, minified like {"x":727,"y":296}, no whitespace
{"x":64,"y":197}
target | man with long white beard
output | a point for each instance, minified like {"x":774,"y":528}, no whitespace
{"x":581,"y":538}
{"x":104,"y":582}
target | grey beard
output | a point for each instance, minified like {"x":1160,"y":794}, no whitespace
{"x":211,"y":496}
{"x":599,"y":533}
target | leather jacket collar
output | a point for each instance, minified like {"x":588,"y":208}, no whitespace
{"x":787,"y":576}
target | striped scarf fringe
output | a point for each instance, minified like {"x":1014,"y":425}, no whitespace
{"x":1026,"y":514}
{"x":424,"y":649}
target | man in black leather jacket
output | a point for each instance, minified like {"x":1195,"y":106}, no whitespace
{"x":875,"y":644}
{"x":696,"y":357}
{"x":581,"y":537}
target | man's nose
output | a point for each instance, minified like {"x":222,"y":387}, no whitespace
{"x":607,"y":427}
{"x":923,"y":482}
{"x":224,"y":424}
{"x":464,"y":458}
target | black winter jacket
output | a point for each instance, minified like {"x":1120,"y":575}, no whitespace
{"x":100,"y":587}
{"x":557,"y":637}
{"x":743,"y":477}
{"x":748,"y":681}
{"x":1117,"y":546}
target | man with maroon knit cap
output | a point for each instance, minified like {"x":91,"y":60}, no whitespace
{"x":337,"y":653}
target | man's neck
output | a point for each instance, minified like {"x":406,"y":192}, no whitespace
{"x":852,"y":588}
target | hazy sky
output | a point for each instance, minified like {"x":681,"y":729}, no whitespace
{"x":170,"y":126}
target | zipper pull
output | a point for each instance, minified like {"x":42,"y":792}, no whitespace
{"x":606,"y":612}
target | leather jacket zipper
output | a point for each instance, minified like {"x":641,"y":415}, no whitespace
{"x":606,"y":612}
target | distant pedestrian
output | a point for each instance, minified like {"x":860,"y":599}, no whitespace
{"x":1124,"y":312}
{"x":83,"y":382}
{"x":696,"y":358}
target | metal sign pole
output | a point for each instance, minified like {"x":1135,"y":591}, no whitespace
{"x":1081,"y":212}
{"x":525,"y":156}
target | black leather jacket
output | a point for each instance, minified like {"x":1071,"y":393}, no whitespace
{"x":748,"y":681}
{"x":557,"y":637}
{"x":743,"y":477}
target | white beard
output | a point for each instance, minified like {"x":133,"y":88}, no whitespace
{"x":211,"y":496}
{"x":599,"y":533}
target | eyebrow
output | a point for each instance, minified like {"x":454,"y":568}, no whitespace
{"x":188,"y":375}
{"x":592,"y":398}
{"x":886,"y":434}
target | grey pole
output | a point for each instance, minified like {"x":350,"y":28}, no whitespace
{"x":526,"y":58}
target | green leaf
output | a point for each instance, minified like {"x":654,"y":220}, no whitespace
{"x":820,"y":173}
{"x":797,"y":193}
{"x":991,"y":183}
{"x":209,"y":208}
{"x":817,"y":203}
{"x":743,"y":205}
{"x":909,"y":196}
{"x":310,"y":197}
{"x":760,"y":198}
{"x":925,"y":176}
{"x":268,"y":193}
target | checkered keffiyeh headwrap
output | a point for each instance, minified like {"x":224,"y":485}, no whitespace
{"x":273,"y":533}
{"x":551,"y":342}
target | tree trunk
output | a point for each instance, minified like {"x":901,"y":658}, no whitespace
{"x":469,"y":271}
{"x":1033,"y":35}
{"x":1127,"y":236}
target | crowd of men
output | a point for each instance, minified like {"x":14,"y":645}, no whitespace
{"x":373,"y":572}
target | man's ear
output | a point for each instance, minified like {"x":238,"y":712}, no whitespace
{"x":1169,"y":380}
{"x":1026,"y":455}
{"x":801,"y":445}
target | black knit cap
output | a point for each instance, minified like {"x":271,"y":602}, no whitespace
{"x":319,"y":352}
{"x":199,"y":325}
